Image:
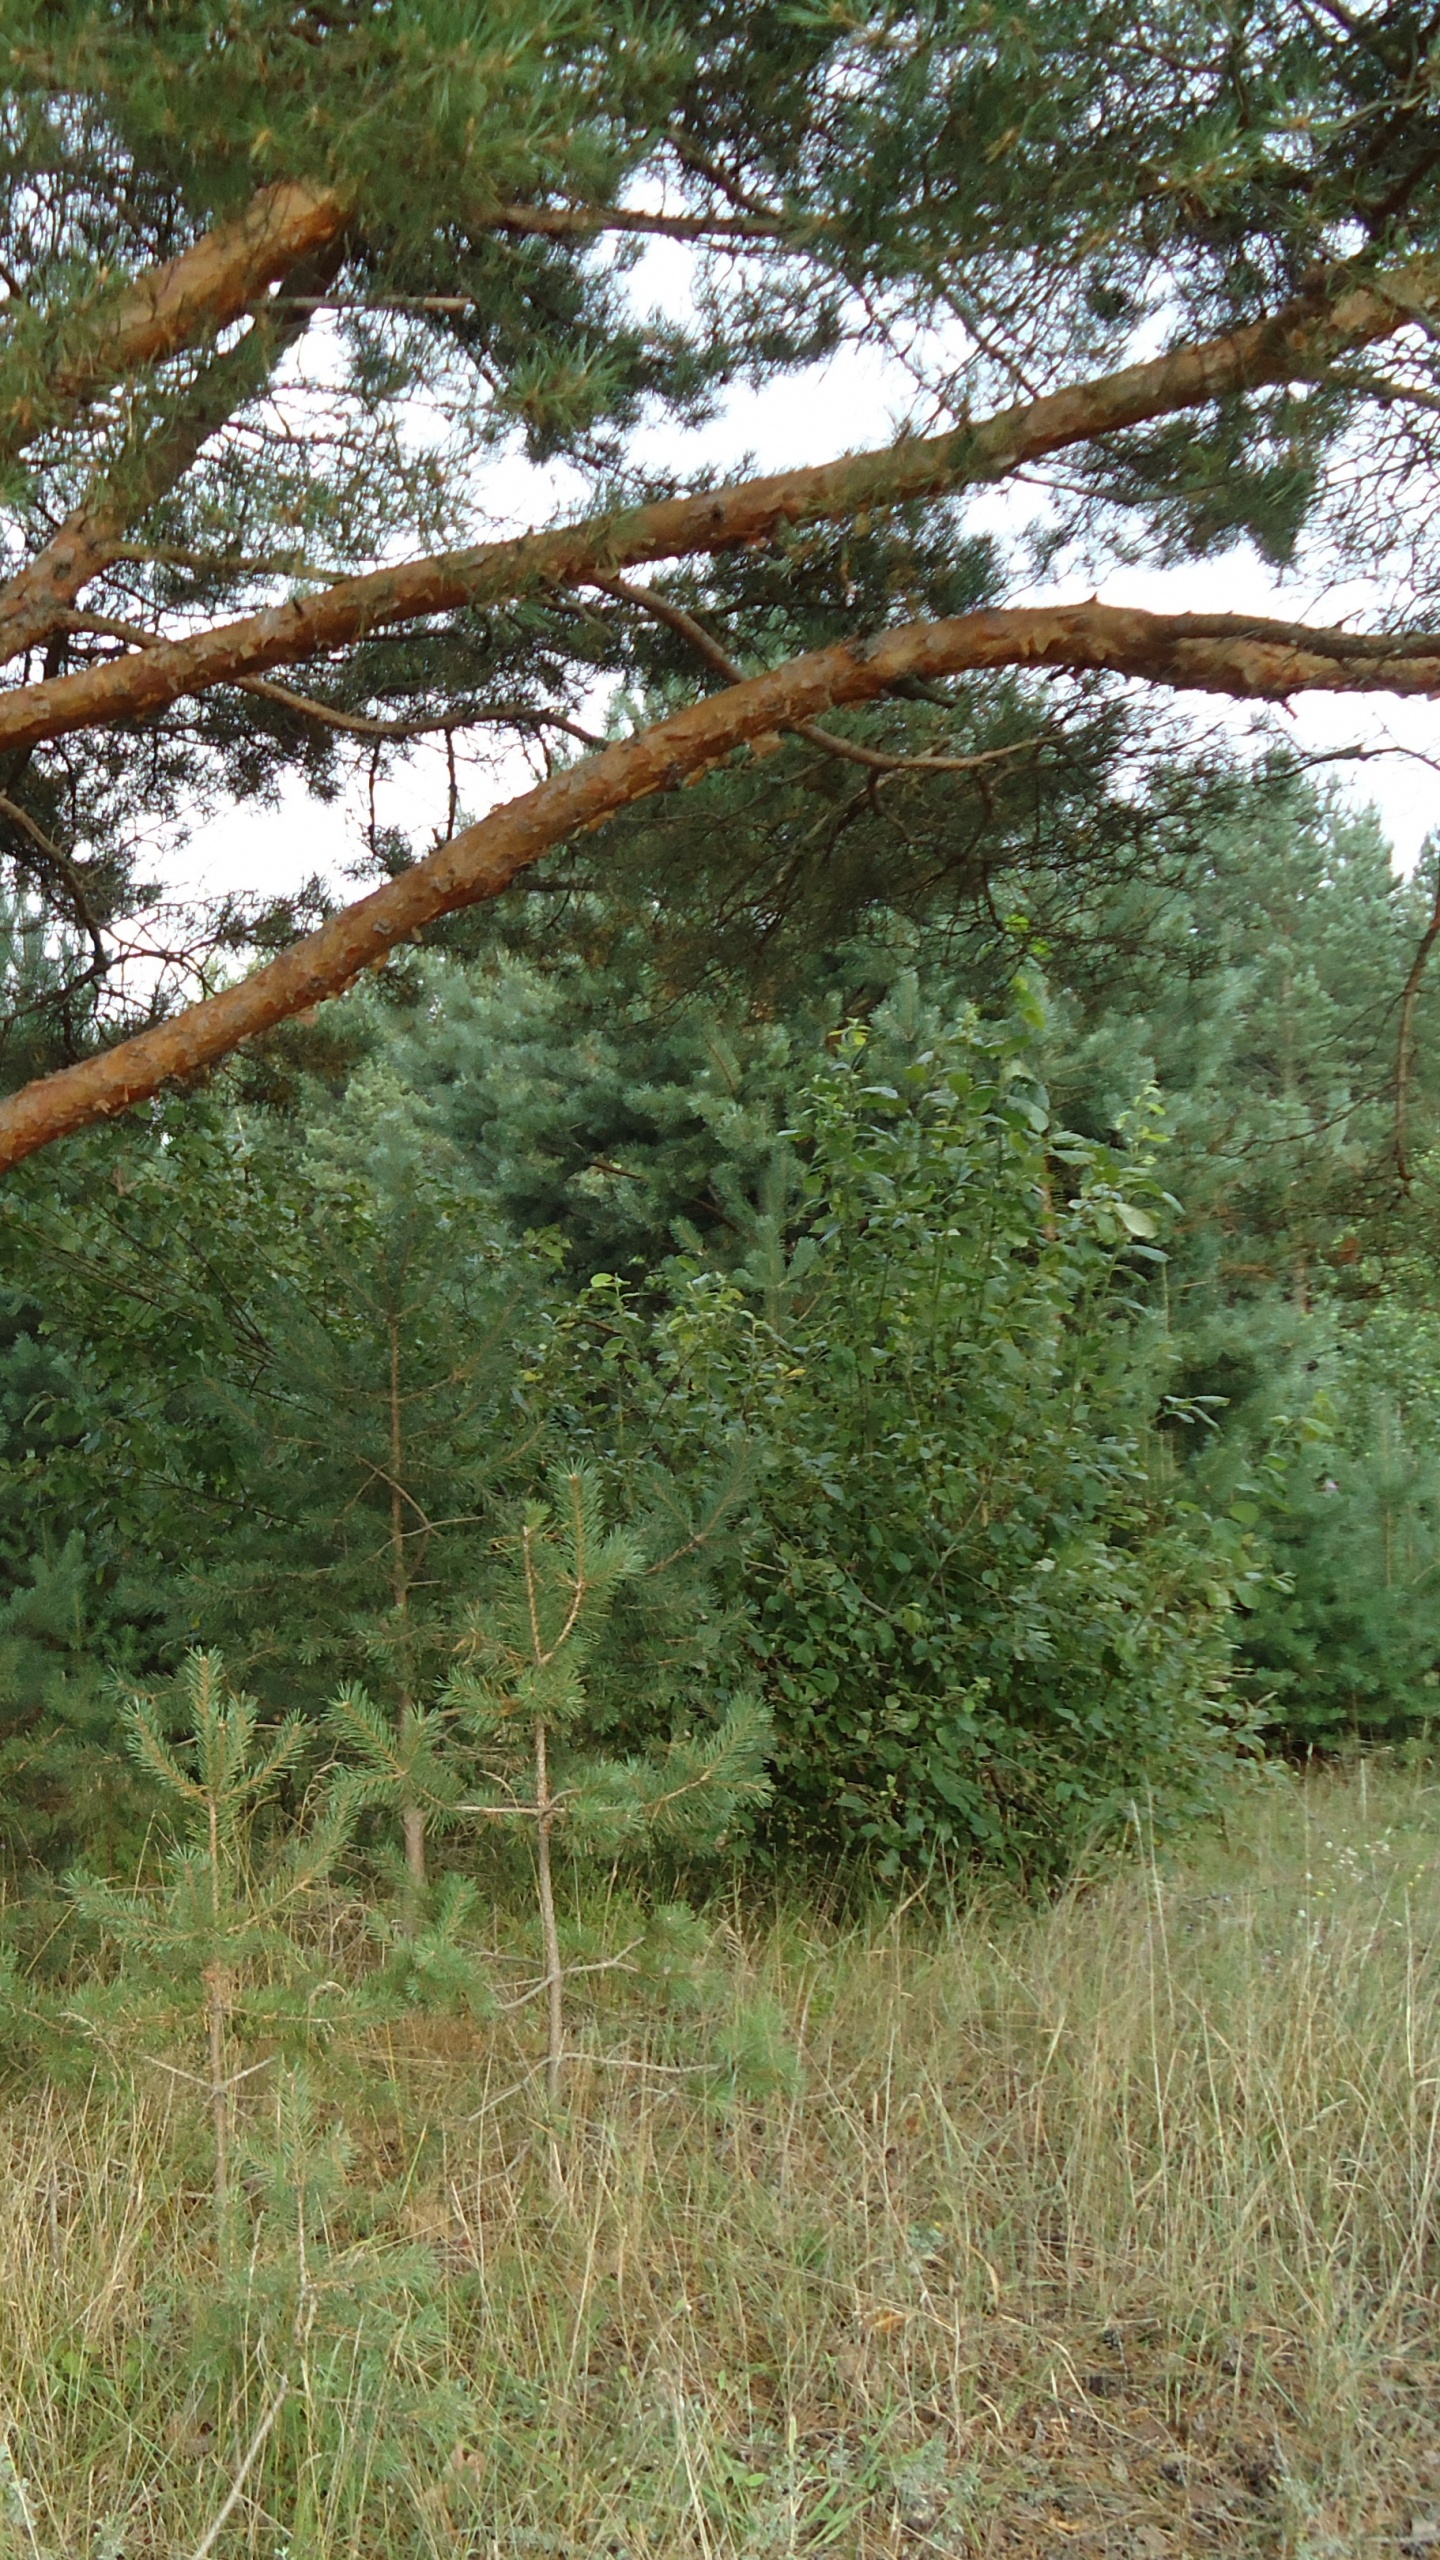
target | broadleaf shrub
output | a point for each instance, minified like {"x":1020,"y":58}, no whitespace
{"x":986,"y":1620}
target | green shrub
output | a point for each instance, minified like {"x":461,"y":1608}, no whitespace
{"x":984,"y":1618}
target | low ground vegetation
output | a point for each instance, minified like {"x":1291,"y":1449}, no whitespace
{"x":1108,"y":2227}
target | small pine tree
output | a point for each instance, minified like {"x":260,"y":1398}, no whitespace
{"x":373,"y":1408}
{"x":226,"y":1906}
{"x":1343,"y":1642}
{"x":524,"y":1705}
{"x":59,"y":1769}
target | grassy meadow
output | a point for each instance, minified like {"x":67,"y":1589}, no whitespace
{"x":1108,"y":2229}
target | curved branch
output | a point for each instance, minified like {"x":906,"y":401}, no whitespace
{"x":61,"y":863}
{"x":687,"y":628}
{"x":208,"y":285}
{"x":1296,"y":343}
{"x":355,"y":724}
{"x":358,"y":724}
{"x":1215,"y":653}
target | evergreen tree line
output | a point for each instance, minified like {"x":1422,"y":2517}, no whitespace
{"x":975,"y":1379}
{"x":918,"y":1248}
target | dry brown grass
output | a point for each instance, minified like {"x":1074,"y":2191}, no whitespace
{"x":1109,"y":2230}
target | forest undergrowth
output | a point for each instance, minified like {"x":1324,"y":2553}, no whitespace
{"x":1104,"y":2229}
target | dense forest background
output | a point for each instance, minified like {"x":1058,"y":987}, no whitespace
{"x":998,"y":1334}
{"x":719,"y":1462}
{"x":900,"y":1174}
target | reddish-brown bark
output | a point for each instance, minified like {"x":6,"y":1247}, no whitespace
{"x":584,"y":221}
{"x":1294,"y":344}
{"x":35,"y":601}
{"x":208,"y":285}
{"x":1214,"y":653}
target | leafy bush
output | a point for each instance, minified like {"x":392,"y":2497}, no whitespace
{"x":984,"y":1618}
{"x":883,"y":1436}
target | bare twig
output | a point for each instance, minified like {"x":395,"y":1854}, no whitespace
{"x":605,"y":1964}
{"x":251,"y":2456}
{"x":519,"y":715}
{"x":61,"y":862}
{"x":687,"y":628}
{"x":357,"y":724}
{"x":200,"y":2080}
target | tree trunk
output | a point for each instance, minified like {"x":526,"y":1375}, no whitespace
{"x":217,"y":2019}
{"x":412,"y":1822}
{"x":554,"y":1978}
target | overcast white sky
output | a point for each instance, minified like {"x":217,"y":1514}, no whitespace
{"x":852,"y":401}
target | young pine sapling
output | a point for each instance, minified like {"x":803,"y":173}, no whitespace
{"x":525,"y":1705}
{"x":223,"y":1908}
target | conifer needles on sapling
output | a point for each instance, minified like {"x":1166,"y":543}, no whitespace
{"x":225,"y":1904}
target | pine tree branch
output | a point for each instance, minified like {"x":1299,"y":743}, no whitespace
{"x":355,"y":724}
{"x":519,"y":715}
{"x":685,"y":626}
{"x":208,"y":285}
{"x":1297,"y":343}
{"x":702,"y":164}
{"x":32,"y":602}
{"x":1231,"y":654}
{"x":60,"y":863}
{"x":549,"y":222}
{"x":585,"y":221}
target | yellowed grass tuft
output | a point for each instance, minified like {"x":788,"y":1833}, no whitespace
{"x":1111,"y":2229}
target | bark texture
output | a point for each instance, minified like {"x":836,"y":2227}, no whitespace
{"x":210,"y":284}
{"x":1343,"y":314}
{"x":1212,"y":653}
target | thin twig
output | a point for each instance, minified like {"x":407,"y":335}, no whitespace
{"x":359,"y":724}
{"x":252,"y":2455}
{"x":687,"y":628}
{"x":604,"y":1964}
{"x":53,"y":853}
{"x":597,"y":2062}
{"x":201,"y":2080}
